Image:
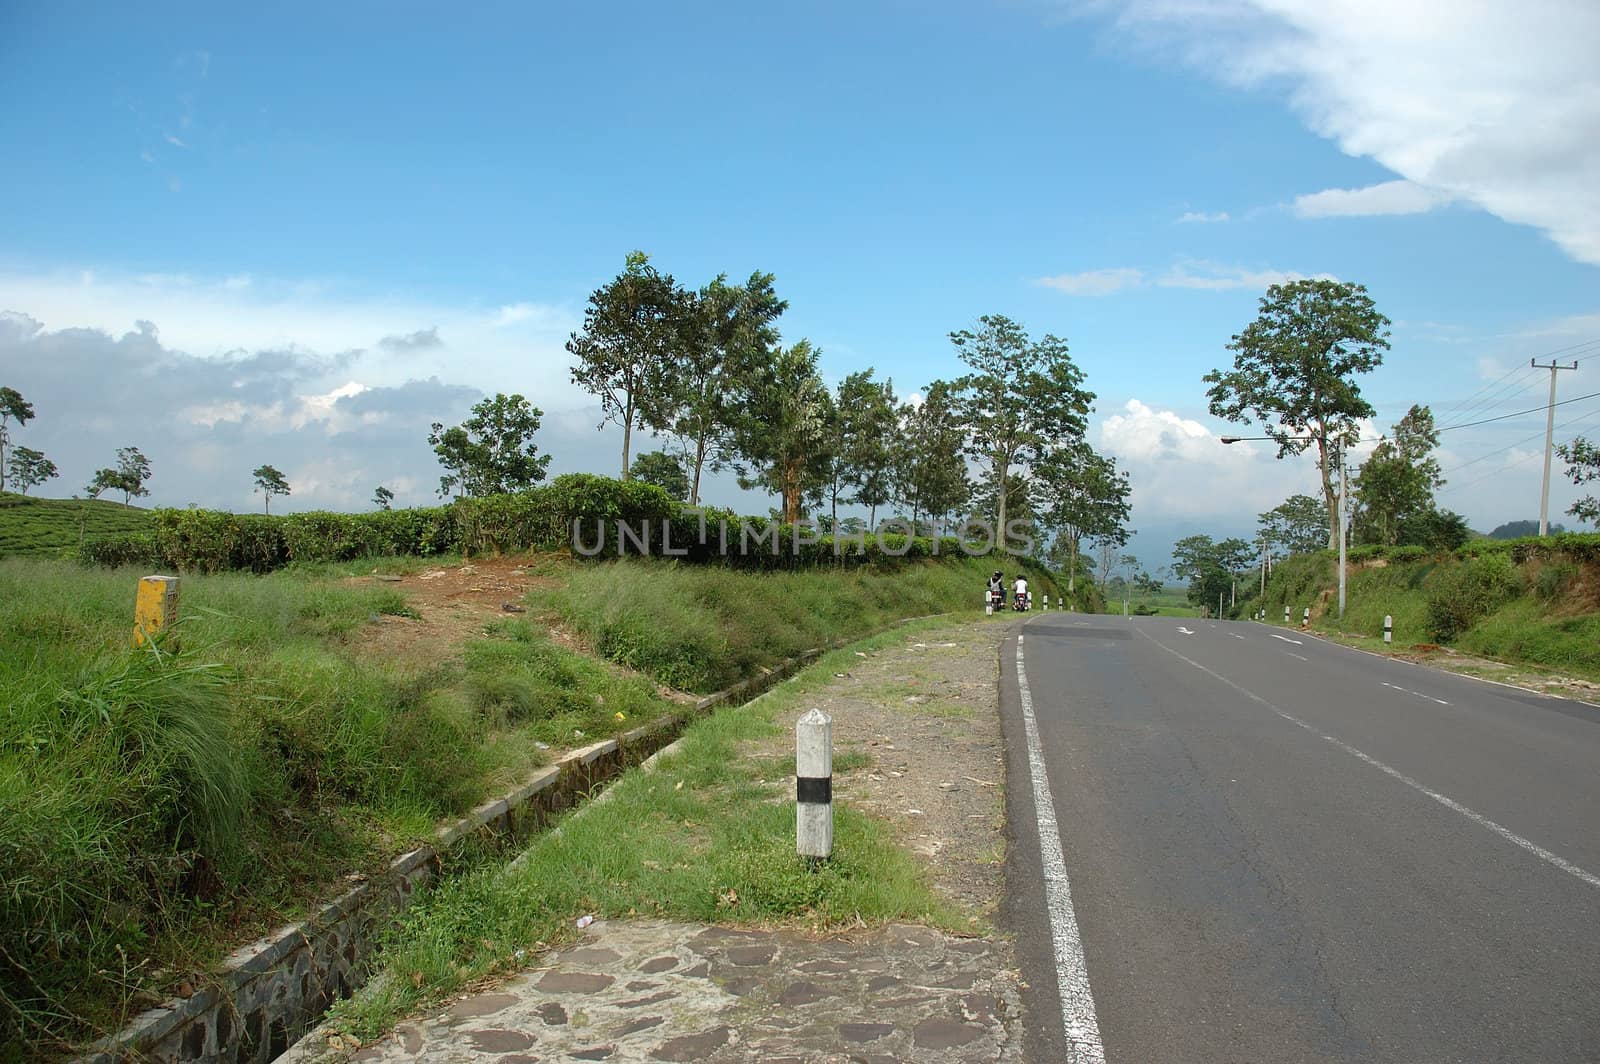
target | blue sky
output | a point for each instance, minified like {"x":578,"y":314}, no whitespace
{"x":305,"y":181}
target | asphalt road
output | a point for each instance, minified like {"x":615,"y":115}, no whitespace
{"x":1283,"y":850}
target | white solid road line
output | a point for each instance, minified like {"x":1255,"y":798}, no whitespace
{"x":1286,"y":639}
{"x":1419,"y":694}
{"x":1078,"y":1020}
{"x":1449,"y":803}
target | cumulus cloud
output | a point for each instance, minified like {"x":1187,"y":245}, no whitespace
{"x":1491,"y":102}
{"x":421,"y":340}
{"x":1094,"y":282}
{"x":1390,"y":197}
{"x":205,"y":422}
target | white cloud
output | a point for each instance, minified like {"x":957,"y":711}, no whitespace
{"x":492,"y":349}
{"x":1181,"y":470}
{"x":1094,"y":282}
{"x":1391,"y":197}
{"x":1216,"y":277}
{"x":1491,"y":102}
{"x":174,"y":141}
{"x":1202,"y":216}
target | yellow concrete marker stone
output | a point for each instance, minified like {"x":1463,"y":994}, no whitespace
{"x":155,"y":607}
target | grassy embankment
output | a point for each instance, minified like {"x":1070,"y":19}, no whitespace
{"x":704,"y":836}
{"x":1543,"y":612}
{"x":34,"y":527}
{"x":157,"y":808}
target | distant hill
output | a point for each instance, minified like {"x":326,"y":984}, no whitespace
{"x":1518,"y":529}
{"x":47,"y":527}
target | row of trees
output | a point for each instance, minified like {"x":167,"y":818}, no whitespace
{"x":22,"y":467}
{"x":706,"y":371}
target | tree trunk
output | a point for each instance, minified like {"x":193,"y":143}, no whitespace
{"x":627,"y":439}
{"x":699,"y":462}
{"x":1000,"y":518}
{"x":1329,"y":497}
{"x":1072,"y":564}
{"x":872,"y":517}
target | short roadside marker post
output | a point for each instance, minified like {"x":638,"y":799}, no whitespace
{"x":813,"y":786}
{"x":988,"y":604}
{"x":1305,"y":621}
{"x":1047,"y":603}
{"x":1285,"y":613}
{"x":155,"y":607}
{"x":1388,"y":628}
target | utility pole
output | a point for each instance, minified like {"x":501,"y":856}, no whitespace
{"x":1549,"y":442}
{"x":1344,"y":489}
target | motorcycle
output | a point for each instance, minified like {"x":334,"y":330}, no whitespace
{"x":997,"y":599}
{"x":1019,"y":601}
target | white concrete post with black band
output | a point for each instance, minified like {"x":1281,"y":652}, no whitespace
{"x":1388,"y":628}
{"x":1047,"y":603}
{"x":1285,"y":613}
{"x":988,"y":604}
{"x":813,"y":785}
{"x":1305,"y":620}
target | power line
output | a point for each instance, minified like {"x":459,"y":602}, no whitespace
{"x":1519,"y":443}
{"x":1520,"y":461}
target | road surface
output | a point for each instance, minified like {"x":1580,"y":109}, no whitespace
{"x":1276,"y":849}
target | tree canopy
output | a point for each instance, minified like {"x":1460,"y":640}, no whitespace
{"x":1021,"y":396}
{"x":781,"y":427}
{"x":493,"y":450}
{"x":29,"y":467}
{"x":1295,"y":368}
{"x":1398,"y":480}
{"x":13,"y":407}
{"x":269,"y":482}
{"x":664,"y":471}
{"x":634,"y":331}
{"x":1583,"y":466}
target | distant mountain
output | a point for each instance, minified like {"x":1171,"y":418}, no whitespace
{"x":1518,"y":529}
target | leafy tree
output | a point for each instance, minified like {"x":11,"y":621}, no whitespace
{"x":1083,"y":497}
{"x":929,"y":473}
{"x":863,"y":437}
{"x":13,"y":407}
{"x":664,"y":471}
{"x":1210,"y":567}
{"x":1398,"y":479}
{"x":1294,"y":526}
{"x":29,"y":467}
{"x":493,"y":450}
{"x":781,"y":428}
{"x":1583,"y":466}
{"x":1437,"y":530}
{"x":727,"y":334}
{"x":129,"y":477}
{"x":269,"y":482}
{"x":1295,"y":369}
{"x":634,"y":332}
{"x":1020,"y":397}
{"x":382,"y":498}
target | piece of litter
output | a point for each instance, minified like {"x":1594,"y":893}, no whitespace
{"x":541,"y":746}
{"x":619,"y":715}
{"x":859,"y":654}
{"x":584,"y":921}
{"x":512,"y":607}
{"x":913,"y":812}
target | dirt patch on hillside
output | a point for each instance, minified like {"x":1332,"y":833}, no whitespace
{"x":916,"y":741}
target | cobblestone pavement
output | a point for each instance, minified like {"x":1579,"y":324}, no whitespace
{"x":657,"y":991}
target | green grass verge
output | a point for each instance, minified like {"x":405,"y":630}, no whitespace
{"x":704,"y":836}
{"x":701,"y":628}
{"x":1535,"y":614}
{"x":34,"y":527}
{"x":157,"y":807}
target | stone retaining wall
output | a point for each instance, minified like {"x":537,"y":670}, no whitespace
{"x":271,"y":992}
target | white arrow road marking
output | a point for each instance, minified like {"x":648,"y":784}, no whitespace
{"x":1236,"y":635}
{"x":1449,"y":803}
{"x":1078,"y":1019}
{"x":1286,"y":639}
{"x":1419,"y":694}
{"x":1184,"y":630}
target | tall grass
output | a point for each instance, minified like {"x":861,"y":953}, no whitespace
{"x":156,"y":804}
{"x":700,"y":628}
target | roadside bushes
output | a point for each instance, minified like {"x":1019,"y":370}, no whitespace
{"x":1460,"y":595}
